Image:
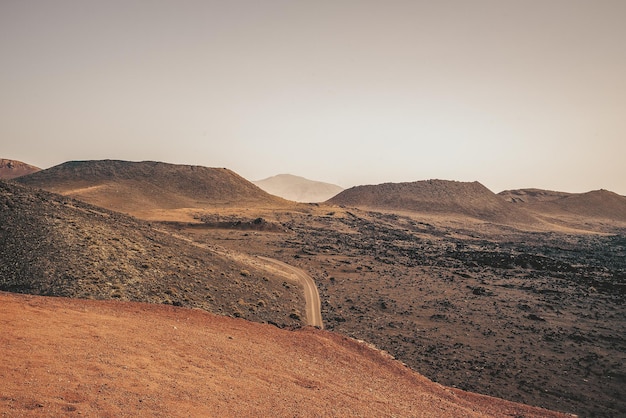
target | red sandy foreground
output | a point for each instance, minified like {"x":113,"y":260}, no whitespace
{"x":68,"y":357}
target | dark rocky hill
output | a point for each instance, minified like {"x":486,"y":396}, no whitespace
{"x":10,"y":169}
{"x":434,"y":197}
{"x":298,"y":189}
{"x":53,"y":245}
{"x":130,"y":186}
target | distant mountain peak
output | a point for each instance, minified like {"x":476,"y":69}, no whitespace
{"x":298,"y":189}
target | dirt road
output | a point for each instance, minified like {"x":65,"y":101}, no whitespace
{"x":311,"y":295}
{"x":293,"y":274}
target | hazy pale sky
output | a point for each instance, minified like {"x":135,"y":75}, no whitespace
{"x":512,"y":93}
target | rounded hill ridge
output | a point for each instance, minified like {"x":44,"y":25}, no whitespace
{"x":130,"y":186}
{"x":598,"y":204}
{"x":435,"y":196}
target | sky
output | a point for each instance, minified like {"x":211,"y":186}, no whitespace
{"x":511,"y":93}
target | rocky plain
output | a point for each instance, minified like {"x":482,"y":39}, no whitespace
{"x":536,"y":317}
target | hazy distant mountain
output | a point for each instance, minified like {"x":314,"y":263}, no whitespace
{"x":298,"y":189}
{"x":598,"y":204}
{"x":131,"y":186}
{"x":10,"y":169}
{"x":433,"y":196}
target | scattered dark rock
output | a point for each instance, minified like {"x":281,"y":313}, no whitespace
{"x":481,"y":291}
{"x":55,"y":246}
{"x":429,"y":271}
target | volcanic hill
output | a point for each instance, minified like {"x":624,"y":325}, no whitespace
{"x":298,"y":189}
{"x":10,"y":169}
{"x":133,"y":187}
{"x":433,"y":197}
{"x":57,"y":246}
{"x":594,"y":205}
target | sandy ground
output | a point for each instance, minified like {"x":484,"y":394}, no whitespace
{"x":67,"y":357}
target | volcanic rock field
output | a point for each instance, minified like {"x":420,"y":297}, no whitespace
{"x":534,"y":317}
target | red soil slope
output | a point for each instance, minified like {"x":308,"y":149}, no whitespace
{"x":65,"y":357}
{"x":10,"y":169}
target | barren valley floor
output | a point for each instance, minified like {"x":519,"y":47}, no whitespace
{"x":534,"y":317}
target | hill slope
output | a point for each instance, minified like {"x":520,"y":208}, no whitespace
{"x":531,"y":195}
{"x":298,"y":189}
{"x":597,"y":204}
{"x":139,"y":186}
{"x":191,"y":363}
{"x":10,"y":169}
{"x":52,"y":245}
{"x":433,"y":196}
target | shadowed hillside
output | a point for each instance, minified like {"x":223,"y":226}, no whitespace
{"x":53,"y":245}
{"x":10,"y":169}
{"x":433,"y":196}
{"x":139,"y":186}
{"x":298,"y":189}
{"x":597,"y":204}
{"x":532,"y":195}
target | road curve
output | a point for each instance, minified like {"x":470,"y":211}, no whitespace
{"x":311,"y":295}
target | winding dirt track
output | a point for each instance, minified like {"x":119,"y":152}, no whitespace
{"x":293,"y":274}
{"x":311,"y":295}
